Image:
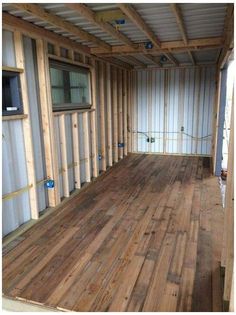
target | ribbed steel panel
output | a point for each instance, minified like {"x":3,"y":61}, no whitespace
{"x":189,"y":104}
{"x":15,"y":211}
{"x":8,"y":49}
{"x":201,"y":20}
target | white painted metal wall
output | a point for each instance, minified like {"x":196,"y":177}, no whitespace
{"x":168,"y":101}
{"x":15,"y":211}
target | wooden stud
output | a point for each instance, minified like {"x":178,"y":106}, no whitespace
{"x":64,"y":160}
{"x":166,"y":84}
{"x":29,"y":149}
{"x":109,"y":115}
{"x":94,"y":123}
{"x":86,"y":146}
{"x":50,"y":149}
{"x":229,"y":213}
{"x":125,"y":86}
{"x":76,"y":153}
{"x":115,"y":116}
{"x":135,"y":112}
{"x":149,"y":108}
{"x":128,"y":112}
{"x":102,"y":115}
{"x":120,"y":116}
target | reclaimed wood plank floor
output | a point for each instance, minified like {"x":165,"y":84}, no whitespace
{"x":146,"y":236}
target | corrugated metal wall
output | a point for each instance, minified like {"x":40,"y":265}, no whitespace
{"x":168,"y":101}
{"x":15,"y":211}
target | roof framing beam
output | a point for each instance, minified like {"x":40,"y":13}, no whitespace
{"x":133,"y":15}
{"x":228,"y":36}
{"x":153,"y":59}
{"x":39,"y":12}
{"x":180,"y":46}
{"x":179,"y":19}
{"x":85,"y":11}
{"x":135,"y":61}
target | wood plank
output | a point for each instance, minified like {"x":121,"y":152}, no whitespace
{"x":115,"y":113}
{"x":109,"y":115}
{"x":52,"y":169}
{"x":76,"y":153}
{"x":125,"y":112}
{"x":64,"y":160}
{"x":86,"y":146}
{"x":28,"y":144}
{"x":102,"y":115}
{"x":120,"y":113}
{"x":94,"y":123}
{"x":132,"y":241}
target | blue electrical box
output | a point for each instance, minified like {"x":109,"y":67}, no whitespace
{"x":99,"y":157}
{"x":149,"y":45}
{"x":49,"y":183}
{"x":121,"y":145}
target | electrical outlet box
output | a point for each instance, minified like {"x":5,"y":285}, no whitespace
{"x":148,"y":140}
{"x":152,"y":140}
{"x":182,"y":128}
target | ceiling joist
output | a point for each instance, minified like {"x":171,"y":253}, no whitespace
{"x":91,"y":16}
{"x":194,"y":44}
{"x":39,"y":12}
{"x":179,"y":19}
{"x":133,"y":15}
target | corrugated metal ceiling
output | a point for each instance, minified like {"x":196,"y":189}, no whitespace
{"x":201,"y":20}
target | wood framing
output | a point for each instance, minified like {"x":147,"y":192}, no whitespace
{"x":76,"y":150}
{"x":64,"y":160}
{"x":120,"y":115}
{"x":51,"y":161}
{"x":102,"y":115}
{"x":179,"y":18}
{"x":115,"y":113}
{"x":139,"y":22}
{"x":229,"y":215}
{"x":94,"y":123}
{"x":129,"y":126}
{"x":39,"y":12}
{"x":86,"y":146}
{"x":91,"y":16}
{"x":165,"y":47}
{"x":109,"y":115}
{"x":125,"y":112}
{"x":29,"y":149}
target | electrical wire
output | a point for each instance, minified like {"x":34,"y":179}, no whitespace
{"x":175,"y":132}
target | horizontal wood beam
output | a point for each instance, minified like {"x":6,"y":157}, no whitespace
{"x":193,"y":44}
{"x":118,"y":62}
{"x":91,"y":16}
{"x":55,"y":20}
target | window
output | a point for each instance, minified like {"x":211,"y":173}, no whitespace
{"x":11,"y":93}
{"x":70,"y":86}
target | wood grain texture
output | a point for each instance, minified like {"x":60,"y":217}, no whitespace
{"x":144,"y":237}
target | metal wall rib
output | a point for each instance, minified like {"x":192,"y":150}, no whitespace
{"x":172,"y":100}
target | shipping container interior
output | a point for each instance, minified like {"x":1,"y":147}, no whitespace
{"x":112,"y":194}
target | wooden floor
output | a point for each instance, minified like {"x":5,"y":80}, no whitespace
{"x":146,"y":236}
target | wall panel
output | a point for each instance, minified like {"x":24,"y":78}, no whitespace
{"x":176,"y":110}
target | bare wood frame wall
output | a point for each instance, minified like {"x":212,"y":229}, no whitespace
{"x":109,"y":96}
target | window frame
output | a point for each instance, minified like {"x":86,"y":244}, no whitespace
{"x":69,"y":67}
{"x":13,"y":73}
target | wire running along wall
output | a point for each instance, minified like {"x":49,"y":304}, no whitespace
{"x":175,"y":107}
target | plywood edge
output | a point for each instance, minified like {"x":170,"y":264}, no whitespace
{"x":15,"y":305}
